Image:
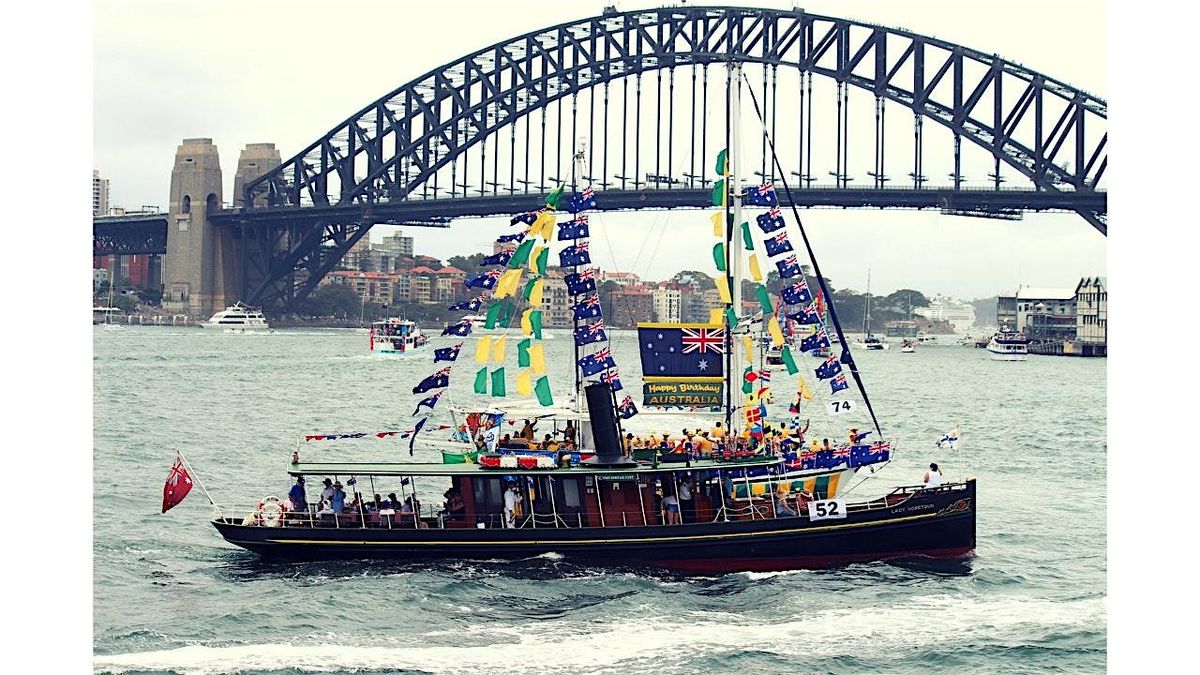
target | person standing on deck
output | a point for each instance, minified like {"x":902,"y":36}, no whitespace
{"x":527,"y":431}
{"x":933,"y":477}
{"x":687,"y":505}
{"x":297,"y":497}
{"x":511,"y":498}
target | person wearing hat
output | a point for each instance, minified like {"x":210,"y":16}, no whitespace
{"x":339,"y":498}
{"x":297,"y":497}
{"x":511,"y":500}
{"x":327,"y":493}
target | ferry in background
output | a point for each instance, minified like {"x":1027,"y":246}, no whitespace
{"x":105,"y":315}
{"x":237,"y":318}
{"x":396,"y":336}
{"x":1008,"y":345}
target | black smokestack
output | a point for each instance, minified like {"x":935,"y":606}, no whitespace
{"x":605,"y":434}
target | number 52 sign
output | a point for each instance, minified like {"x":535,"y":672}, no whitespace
{"x":826,"y":509}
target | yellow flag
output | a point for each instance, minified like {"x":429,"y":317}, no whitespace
{"x":805,"y":392}
{"x":498,"y":349}
{"x":775,"y":331}
{"x":537,"y":359}
{"x":723,"y":290}
{"x":716,"y":315}
{"x":483,"y":348}
{"x":544,"y":225}
{"x":535,"y":294}
{"x":526,"y":325}
{"x":524,"y":383}
{"x":755,"y":270}
{"x":718,"y":221}
{"x":748,"y":349}
{"x":507,"y":285}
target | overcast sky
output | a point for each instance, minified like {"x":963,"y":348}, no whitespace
{"x":286,"y":72}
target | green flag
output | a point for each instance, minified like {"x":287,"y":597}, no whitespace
{"x":498,"y":314}
{"x":498,"y":382}
{"x":521,"y":255}
{"x":722,"y":163}
{"x":535,"y":322}
{"x":542,"y":259}
{"x":764,"y":299}
{"x":747,"y":385}
{"x":731,"y":318}
{"x":554,"y":197}
{"x":719,"y":193}
{"x":481,"y":381}
{"x":542,"y":389}
{"x":719,"y":256}
{"x":523,"y":353}
{"x":746,"y":238}
{"x":789,"y":361}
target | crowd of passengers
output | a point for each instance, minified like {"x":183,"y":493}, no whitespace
{"x":332,"y":503}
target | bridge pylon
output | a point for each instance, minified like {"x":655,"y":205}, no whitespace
{"x":253,"y":255}
{"x":193,"y":262}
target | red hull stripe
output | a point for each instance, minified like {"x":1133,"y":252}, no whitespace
{"x":779,"y":564}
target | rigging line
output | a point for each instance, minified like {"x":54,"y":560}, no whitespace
{"x":817,"y":269}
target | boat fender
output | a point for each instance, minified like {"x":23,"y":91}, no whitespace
{"x":271,"y":512}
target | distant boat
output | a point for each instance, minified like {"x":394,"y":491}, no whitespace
{"x":868,"y":340}
{"x":908,"y":347}
{"x":396,"y":336}
{"x":1008,"y":345}
{"x":237,"y":318}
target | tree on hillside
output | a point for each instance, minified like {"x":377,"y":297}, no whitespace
{"x":901,"y":301}
{"x":702,"y":280}
{"x":332,"y":300}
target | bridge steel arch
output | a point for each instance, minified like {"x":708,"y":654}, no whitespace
{"x":1051,"y":133}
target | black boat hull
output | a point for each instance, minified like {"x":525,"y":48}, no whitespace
{"x":939,"y":524}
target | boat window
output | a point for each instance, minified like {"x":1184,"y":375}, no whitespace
{"x":572,"y":493}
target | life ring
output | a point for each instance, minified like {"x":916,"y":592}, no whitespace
{"x":270,"y":511}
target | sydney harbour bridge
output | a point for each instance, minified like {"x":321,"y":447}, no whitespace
{"x":861,"y":116}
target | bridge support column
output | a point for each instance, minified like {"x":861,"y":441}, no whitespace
{"x":192,"y":262}
{"x":251,"y":260}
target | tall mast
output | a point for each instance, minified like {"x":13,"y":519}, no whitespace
{"x":733,"y":214}
{"x":576,"y":172}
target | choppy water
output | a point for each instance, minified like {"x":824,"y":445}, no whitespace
{"x":170,"y":595}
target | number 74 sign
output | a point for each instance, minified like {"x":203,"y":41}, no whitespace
{"x":838,"y":407}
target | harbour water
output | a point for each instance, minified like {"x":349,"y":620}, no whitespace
{"x":172,"y":596}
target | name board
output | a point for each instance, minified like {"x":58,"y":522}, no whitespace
{"x":618,"y":477}
{"x":826,"y":509}
{"x":682,"y":393}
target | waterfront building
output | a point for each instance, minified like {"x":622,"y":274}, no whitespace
{"x":99,"y":194}
{"x":667,"y":304}
{"x":1039,"y":313}
{"x":630,"y":305}
{"x":396,"y":245}
{"x":957,"y":313}
{"x":1091,"y":317}
{"x":557,"y":307}
{"x":622,"y":279}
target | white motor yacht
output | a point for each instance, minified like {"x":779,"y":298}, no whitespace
{"x":1008,"y":346}
{"x":237,"y":318}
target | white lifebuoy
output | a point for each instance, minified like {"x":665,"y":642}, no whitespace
{"x":271,"y":511}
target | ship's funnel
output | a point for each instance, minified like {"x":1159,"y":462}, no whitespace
{"x":603,"y":417}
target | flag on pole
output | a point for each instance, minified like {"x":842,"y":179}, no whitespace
{"x":789,"y":361}
{"x":591,"y":364}
{"x":498,"y":348}
{"x":719,"y":194}
{"x":524,"y":383}
{"x":722,"y":166}
{"x":797,"y":293}
{"x":838,"y":383}
{"x":521,"y":255}
{"x":537,"y":359}
{"x":589,"y":309}
{"x":416,"y":429}
{"x":428,"y":402}
{"x":481,"y":381}
{"x":526,"y":218}
{"x":554,"y":197}
{"x":486,"y":280}
{"x":718,"y":222}
{"x":574,"y":229}
{"x":483,"y":349}
{"x":178,"y":485}
{"x":542,"y":390}
{"x":437,"y":380}
{"x":523,"y":353}
{"x":447,"y":353}
{"x":770,"y":221}
{"x":498,"y":383}
{"x":582,"y":201}
{"x":613,"y":378}
{"x":788,"y":267}
{"x":627,"y":408}
{"x":760,"y":196}
{"x":778,"y":245}
{"x":471,"y":305}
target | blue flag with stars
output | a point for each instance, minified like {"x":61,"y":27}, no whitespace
{"x":518,"y":237}
{"x":447,"y":353}
{"x":788,"y":267}
{"x":760,"y":196}
{"x":817,"y":340}
{"x":574,"y":229}
{"x":685,"y":351}
{"x":796,"y":294}
{"x":806,"y":316}
{"x":471,"y":305}
{"x":770,"y":221}
{"x":461,"y":329}
{"x":589,"y":308}
{"x":437,"y":380}
{"x":500,"y":258}
{"x":591,"y":364}
{"x":574,"y":256}
{"x":828,"y":369}
{"x":581,"y":201}
{"x":579,"y":283}
{"x":587,"y":334}
{"x":838,"y":383}
{"x":526,"y":218}
{"x":778,"y":245}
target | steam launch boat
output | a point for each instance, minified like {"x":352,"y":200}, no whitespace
{"x":237,"y":318}
{"x":396,"y":336}
{"x":750,"y":492}
{"x":1008,"y":345}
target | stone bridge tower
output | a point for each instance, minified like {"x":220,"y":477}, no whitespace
{"x":190,"y":267}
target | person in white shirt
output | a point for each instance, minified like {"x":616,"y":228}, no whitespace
{"x":933,"y":477}
{"x":511,"y":499}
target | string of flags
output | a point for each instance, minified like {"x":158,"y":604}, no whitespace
{"x":373,"y":434}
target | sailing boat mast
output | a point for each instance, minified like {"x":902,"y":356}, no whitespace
{"x":733,"y":215}
{"x":867,"y":309}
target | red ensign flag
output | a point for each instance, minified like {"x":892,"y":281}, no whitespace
{"x":178,"y":485}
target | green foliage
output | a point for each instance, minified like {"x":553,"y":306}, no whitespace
{"x":338,"y":301}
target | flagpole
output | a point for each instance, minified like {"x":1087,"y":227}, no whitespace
{"x":193,"y":474}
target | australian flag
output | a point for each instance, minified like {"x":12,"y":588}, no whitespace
{"x":591,"y":364}
{"x":760,"y":196}
{"x":500,"y":258}
{"x":797,"y":293}
{"x":427,"y":402}
{"x":838,"y":383}
{"x":788,"y":267}
{"x":582,"y":201}
{"x":574,"y":229}
{"x":576,"y":255}
{"x":846,"y":358}
{"x":627,"y":409}
{"x":585,"y":335}
{"x":581,"y":282}
{"x":778,"y":245}
{"x":817,"y":340}
{"x":471,"y":305}
{"x":806,"y":316}
{"x":526,"y":218}
{"x":447,"y":353}
{"x":435,"y":381}
{"x":682,"y":352}
{"x":828,"y":369}
{"x":461,"y":329}
{"x":770,"y":221}
{"x":613,"y":378}
{"x":486,"y":280}
{"x":870,"y":454}
{"x":516,"y":238}
{"x":589,"y":308}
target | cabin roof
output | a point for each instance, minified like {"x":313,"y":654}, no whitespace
{"x":438,"y":469}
